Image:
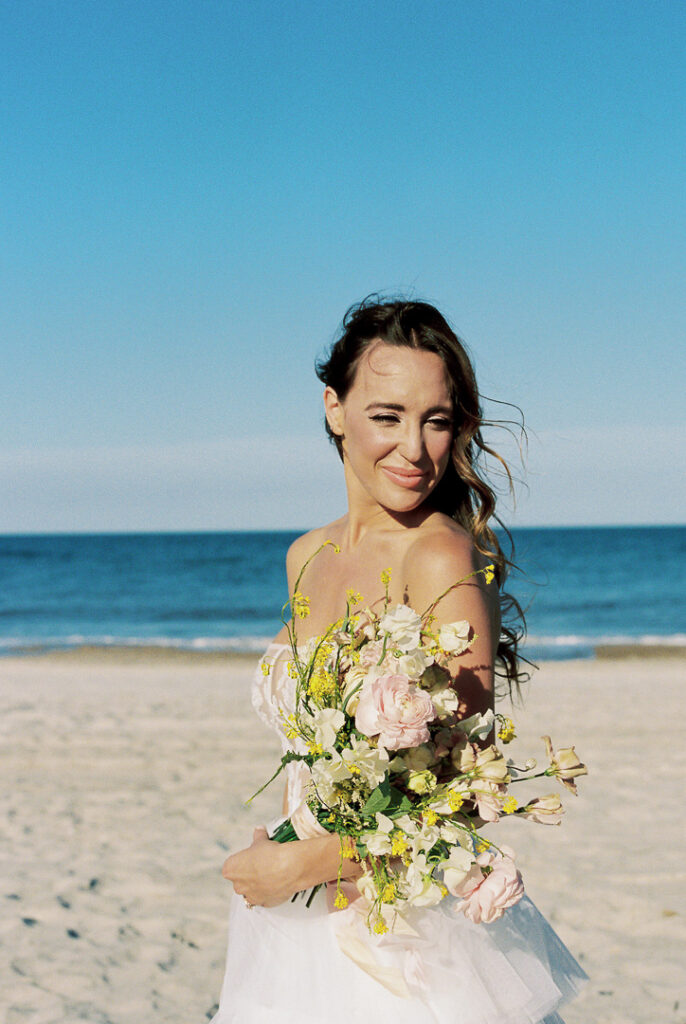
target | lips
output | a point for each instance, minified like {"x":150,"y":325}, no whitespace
{"x":405,"y":477}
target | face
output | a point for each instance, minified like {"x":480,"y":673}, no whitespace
{"x":396,"y":425}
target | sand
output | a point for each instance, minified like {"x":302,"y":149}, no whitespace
{"x":123,"y":789}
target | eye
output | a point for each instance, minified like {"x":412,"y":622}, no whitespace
{"x":384,"y":417}
{"x":441,"y":423}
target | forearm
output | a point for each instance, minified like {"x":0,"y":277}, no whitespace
{"x":322,"y":859}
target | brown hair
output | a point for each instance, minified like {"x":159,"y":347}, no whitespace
{"x":463,"y":493}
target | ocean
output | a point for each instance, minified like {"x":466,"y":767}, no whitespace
{"x":582,"y":587}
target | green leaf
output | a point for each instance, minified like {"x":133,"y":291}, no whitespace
{"x":398,"y":803}
{"x":378,"y":800}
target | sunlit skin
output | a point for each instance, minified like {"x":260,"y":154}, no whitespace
{"x":396,"y":430}
{"x":395,"y":426}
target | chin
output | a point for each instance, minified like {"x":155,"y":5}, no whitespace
{"x":408,"y":502}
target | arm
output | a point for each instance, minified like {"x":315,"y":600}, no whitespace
{"x":436,"y":561}
{"x":268,"y":873}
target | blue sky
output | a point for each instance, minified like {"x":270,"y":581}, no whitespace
{"x":194,"y":192}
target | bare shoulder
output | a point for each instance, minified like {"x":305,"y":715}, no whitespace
{"x":440,"y":549}
{"x":441,"y":554}
{"x":303,"y":547}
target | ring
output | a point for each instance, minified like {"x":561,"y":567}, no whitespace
{"x":248,"y":904}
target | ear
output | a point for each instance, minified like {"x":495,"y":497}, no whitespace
{"x":333,"y":408}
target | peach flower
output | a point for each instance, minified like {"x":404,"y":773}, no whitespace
{"x":546,"y":810}
{"x":564,"y":764}
{"x":396,"y":710}
{"x":492,"y":885}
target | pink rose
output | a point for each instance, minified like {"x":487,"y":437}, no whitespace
{"x":370,"y":654}
{"x":396,"y":710}
{"x":486,"y":895}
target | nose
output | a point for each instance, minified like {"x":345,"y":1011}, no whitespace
{"x":411,"y":445}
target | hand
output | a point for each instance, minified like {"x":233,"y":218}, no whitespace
{"x":260,"y":873}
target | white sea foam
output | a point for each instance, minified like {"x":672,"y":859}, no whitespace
{"x":543,"y":647}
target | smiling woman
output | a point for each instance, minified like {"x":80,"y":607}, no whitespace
{"x":394,"y":427}
{"x":403,"y":410}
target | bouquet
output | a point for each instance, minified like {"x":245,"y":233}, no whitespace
{"x":405,"y":783}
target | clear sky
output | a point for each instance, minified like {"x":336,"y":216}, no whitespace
{"x":193,"y":191}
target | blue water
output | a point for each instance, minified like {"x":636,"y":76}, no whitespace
{"x":581,"y":586}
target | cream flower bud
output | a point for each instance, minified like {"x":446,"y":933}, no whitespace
{"x":564,"y":764}
{"x":352,"y":685}
{"x":421,"y":782}
{"x":546,"y":810}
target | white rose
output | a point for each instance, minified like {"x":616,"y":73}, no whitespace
{"x":454,"y":637}
{"x":403,"y":625}
{"x":445,"y":701}
{"x":414,"y":663}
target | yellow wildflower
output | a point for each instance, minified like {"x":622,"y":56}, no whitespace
{"x":380,"y":926}
{"x":510,"y":805}
{"x":266,"y":668}
{"x":454,"y":800}
{"x":341,"y":900}
{"x":386,"y":576}
{"x":352,"y":596}
{"x":489,"y":573}
{"x":388,"y":893}
{"x":322,"y":685}
{"x":316,"y":748}
{"x":430,"y":817}
{"x":482,"y":846}
{"x":292,"y":669}
{"x":506,"y":732}
{"x":301,"y":605}
{"x":348,"y":848}
{"x":398,"y":843}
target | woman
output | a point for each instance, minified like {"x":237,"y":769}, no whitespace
{"x":403,"y":409}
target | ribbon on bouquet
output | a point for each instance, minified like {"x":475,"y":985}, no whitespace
{"x":392,"y":959}
{"x":371,"y":953}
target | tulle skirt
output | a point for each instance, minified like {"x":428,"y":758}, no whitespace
{"x":285,"y":965}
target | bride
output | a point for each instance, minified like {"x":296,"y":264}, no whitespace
{"x":403,"y":410}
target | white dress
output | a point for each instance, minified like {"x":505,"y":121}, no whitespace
{"x":287,"y":965}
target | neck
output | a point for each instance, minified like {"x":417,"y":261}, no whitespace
{"x":365,"y":516}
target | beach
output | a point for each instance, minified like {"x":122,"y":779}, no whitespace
{"x":125,"y":776}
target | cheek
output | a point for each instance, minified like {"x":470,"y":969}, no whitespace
{"x":440,"y":450}
{"x":366,"y":438}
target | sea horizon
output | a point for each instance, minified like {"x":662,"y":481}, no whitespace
{"x":588,"y":590}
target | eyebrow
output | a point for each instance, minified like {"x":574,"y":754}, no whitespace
{"x":398,"y":407}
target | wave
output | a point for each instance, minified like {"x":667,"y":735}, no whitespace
{"x":38,"y":645}
{"x":536,"y":647}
